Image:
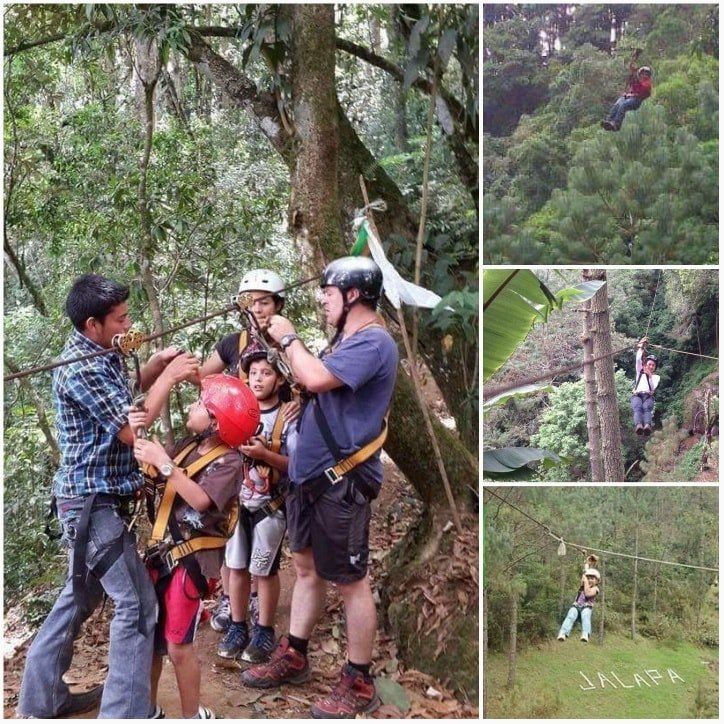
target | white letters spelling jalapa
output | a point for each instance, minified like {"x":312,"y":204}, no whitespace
{"x":638,"y":680}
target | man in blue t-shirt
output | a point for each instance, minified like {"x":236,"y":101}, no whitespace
{"x":328,"y":516}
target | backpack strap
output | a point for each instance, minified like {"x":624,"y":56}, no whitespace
{"x":243,"y":344}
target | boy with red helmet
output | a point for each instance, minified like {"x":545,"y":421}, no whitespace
{"x":255,"y":548}
{"x":201,"y":476}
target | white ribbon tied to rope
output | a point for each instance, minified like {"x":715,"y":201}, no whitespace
{"x":398,"y":290}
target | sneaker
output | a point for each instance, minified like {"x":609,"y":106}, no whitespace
{"x":562,"y":637}
{"x":80,"y":703}
{"x":584,"y":637}
{"x":607,"y":125}
{"x":287,"y":666}
{"x":206,"y":713}
{"x":260,"y":647}
{"x":647,"y":429}
{"x":354,"y":694}
{"x":235,"y":641}
{"x":221,"y":617}
{"x":639,"y":429}
{"x":157,"y":713}
{"x":254,"y":608}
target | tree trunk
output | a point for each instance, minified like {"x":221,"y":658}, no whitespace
{"x":314,"y":215}
{"x":455,"y":371}
{"x":634,"y":595}
{"x":485,"y":652}
{"x":148,"y":67}
{"x":605,"y":381}
{"x":602,"y":605}
{"x":513,"y":633}
{"x":589,"y":376}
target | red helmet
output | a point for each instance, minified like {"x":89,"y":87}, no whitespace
{"x":233,"y":405}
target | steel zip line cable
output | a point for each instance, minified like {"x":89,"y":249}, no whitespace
{"x":149,"y":338}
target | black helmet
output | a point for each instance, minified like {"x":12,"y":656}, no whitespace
{"x":354,"y":272}
{"x":653,"y":358}
{"x":253,"y":352}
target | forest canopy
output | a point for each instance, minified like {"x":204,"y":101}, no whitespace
{"x":559,"y":189}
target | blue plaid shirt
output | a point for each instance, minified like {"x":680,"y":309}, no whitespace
{"x":91,"y":399}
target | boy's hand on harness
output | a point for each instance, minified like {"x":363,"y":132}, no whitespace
{"x":256,"y":448}
{"x":150,"y":451}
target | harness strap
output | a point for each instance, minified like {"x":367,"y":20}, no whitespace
{"x":169,"y":494}
{"x":243,"y":343}
{"x":345,"y":465}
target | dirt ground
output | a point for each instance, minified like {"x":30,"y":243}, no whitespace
{"x":418,"y":695}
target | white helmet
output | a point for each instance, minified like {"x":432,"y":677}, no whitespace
{"x":592,"y":572}
{"x":262,"y":280}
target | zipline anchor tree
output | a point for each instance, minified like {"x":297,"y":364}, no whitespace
{"x":415,"y":378}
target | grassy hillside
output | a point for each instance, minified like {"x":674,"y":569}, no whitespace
{"x":548,"y":682}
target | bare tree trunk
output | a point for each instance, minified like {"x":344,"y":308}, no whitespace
{"x":589,"y":377}
{"x":148,"y":69}
{"x":513,"y":630}
{"x":634,"y":596}
{"x":485,"y":652}
{"x":605,"y":381}
{"x":602,"y":605}
{"x":314,"y":214}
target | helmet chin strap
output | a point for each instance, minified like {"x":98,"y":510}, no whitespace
{"x":210,"y":431}
{"x":346,"y":306}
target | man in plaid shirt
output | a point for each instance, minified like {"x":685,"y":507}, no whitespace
{"x":97,"y":479}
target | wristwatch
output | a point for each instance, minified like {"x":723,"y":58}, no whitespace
{"x":167,"y":468}
{"x":287,"y":339}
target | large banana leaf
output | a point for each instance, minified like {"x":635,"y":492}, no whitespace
{"x":512,"y":463}
{"x":513,"y":300}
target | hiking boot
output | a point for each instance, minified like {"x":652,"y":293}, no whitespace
{"x":80,"y":703}
{"x":647,"y":430}
{"x":235,"y":641}
{"x":260,"y":647}
{"x":562,"y":637}
{"x":584,"y":637}
{"x":221,"y":617}
{"x":607,"y":125}
{"x":254,"y":608}
{"x":354,"y":694}
{"x":287,"y":666}
{"x":639,"y":429}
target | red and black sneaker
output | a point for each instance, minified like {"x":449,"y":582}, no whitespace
{"x":286,"y":666}
{"x":354,"y":694}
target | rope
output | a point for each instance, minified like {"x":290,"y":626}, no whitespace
{"x":149,"y":338}
{"x":586,"y":549}
{"x":651,"y":313}
{"x":681,"y":351}
{"x":492,"y":392}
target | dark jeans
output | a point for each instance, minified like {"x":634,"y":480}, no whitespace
{"x":619,"y":109}
{"x":127,"y":691}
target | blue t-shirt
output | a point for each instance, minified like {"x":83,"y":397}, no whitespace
{"x":366,"y":363}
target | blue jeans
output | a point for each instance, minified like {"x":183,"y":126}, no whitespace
{"x":619,"y":109}
{"x":642,"y":409}
{"x":127,"y":691}
{"x":571,"y":618}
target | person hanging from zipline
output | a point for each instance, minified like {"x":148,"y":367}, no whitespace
{"x":642,"y":399}
{"x":637,"y":90}
{"x":583,"y":605}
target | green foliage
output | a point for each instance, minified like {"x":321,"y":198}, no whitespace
{"x":563,"y":427}
{"x":563,"y":191}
